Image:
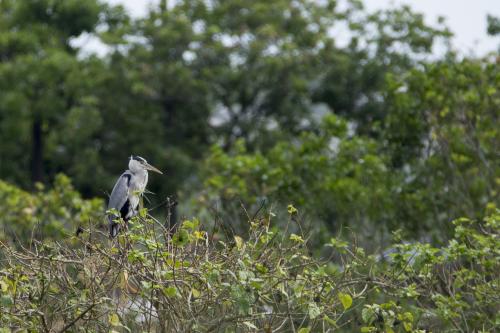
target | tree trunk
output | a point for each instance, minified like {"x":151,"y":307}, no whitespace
{"x":163,"y":6}
{"x":37,"y":154}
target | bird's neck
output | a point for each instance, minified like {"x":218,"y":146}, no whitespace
{"x":140,"y":172}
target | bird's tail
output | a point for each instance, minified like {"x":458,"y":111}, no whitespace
{"x":113,"y":230}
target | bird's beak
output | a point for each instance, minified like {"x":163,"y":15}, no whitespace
{"x":152,"y":168}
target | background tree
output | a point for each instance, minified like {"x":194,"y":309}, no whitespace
{"x":41,"y":80}
{"x":386,"y":42}
{"x":442,"y":128}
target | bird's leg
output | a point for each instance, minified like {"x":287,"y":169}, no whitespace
{"x":126,"y":223}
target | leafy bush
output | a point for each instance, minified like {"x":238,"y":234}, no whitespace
{"x":338,"y":178}
{"x":47,"y":214}
{"x":152,"y":280}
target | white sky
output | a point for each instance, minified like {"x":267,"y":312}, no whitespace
{"x":466,"y":18}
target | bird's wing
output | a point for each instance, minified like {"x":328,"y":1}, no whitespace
{"x":119,"y":195}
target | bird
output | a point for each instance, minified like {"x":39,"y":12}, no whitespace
{"x":128,"y":188}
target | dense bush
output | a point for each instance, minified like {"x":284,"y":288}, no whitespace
{"x":152,"y":280}
{"x":339,"y":178}
{"x":44,"y":214}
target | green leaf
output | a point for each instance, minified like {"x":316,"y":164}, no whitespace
{"x":181,"y":238}
{"x":256,"y":283}
{"x":114,"y":320}
{"x":368,"y":315}
{"x":330,"y":320}
{"x":6,"y":300}
{"x":292,"y":210}
{"x":143,"y":212}
{"x":196,"y":293}
{"x":187,"y":224}
{"x":304,"y":330}
{"x":261,"y":268}
{"x":239,"y":242}
{"x":345,"y":299}
{"x":337,"y":244}
{"x":296,"y":238}
{"x":170,"y":291}
{"x":3,"y":286}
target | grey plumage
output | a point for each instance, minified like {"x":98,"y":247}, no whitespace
{"x":126,"y":193}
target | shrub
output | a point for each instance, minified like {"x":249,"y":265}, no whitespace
{"x":152,"y":280}
{"x":45,"y":214}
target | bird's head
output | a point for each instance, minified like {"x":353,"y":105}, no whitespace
{"x":138,"y":163}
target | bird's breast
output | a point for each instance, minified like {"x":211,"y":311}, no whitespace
{"x":137,"y":186}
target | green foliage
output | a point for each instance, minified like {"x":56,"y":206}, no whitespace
{"x":147,"y":280}
{"x":438,"y":143}
{"x":253,"y":104}
{"x":387,"y":42}
{"x":446,"y":287}
{"x":493,"y":25}
{"x":184,"y":77}
{"x":313,"y":171}
{"x":45,"y":214}
{"x":442,"y":130}
{"x":48,"y":105}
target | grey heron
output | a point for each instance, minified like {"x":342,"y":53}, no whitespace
{"x":126,"y":193}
